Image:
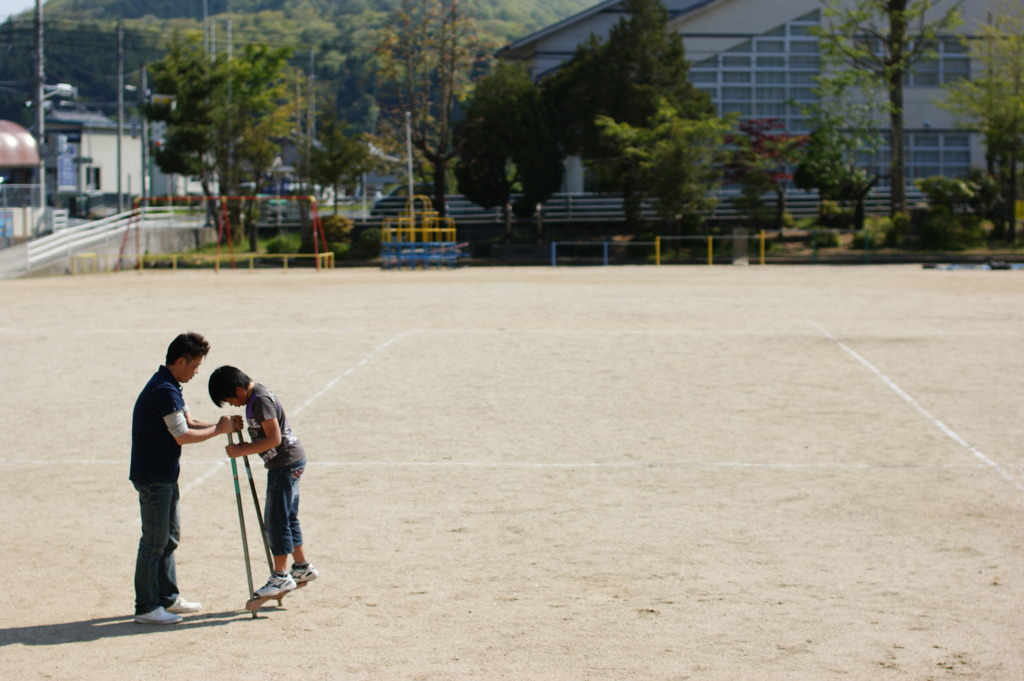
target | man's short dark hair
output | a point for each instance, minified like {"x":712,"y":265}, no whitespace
{"x":224,"y":382}
{"x":188,"y":345}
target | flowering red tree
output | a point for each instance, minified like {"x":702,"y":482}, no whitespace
{"x":760,"y":160}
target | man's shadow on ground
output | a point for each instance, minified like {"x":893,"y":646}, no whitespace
{"x":109,"y":627}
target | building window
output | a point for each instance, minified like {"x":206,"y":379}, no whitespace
{"x":949,"y":64}
{"x":783,"y":64}
{"x":943,"y":154}
{"x":92,"y":177}
{"x":782,"y":67}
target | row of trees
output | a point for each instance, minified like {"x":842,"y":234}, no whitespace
{"x":228,"y":118}
{"x":623,"y":104}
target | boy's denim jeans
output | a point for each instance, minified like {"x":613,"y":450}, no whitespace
{"x":156,"y":582}
{"x":281,"y":513}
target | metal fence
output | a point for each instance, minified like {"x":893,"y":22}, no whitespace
{"x":609,"y":207}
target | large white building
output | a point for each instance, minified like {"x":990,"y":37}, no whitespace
{"x":760,"y":59}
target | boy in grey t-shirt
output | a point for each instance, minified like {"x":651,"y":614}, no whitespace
{"x":272,"y":438}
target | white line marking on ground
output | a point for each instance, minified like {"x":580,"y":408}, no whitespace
{"x":567,"y":332}
{"x":349,"y":371}
{"x":120,"y":332}
{"x":216,"y":465}
{"x":949,"y":432}
{"x":204,"y":477}
{"x":700,"y":332}
{"x":182,"y":491}
{"x":638,"y":464}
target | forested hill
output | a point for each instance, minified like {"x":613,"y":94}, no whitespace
{"x":336,"y":37}
{"x":505,"y":19}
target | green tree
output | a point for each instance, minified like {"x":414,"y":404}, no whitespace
{"x":993,"y":100}
{"x":252,"y":118}
{"x":188,"y":84}
{"x":844,"y":135}
{"x":676,"y":160}
{"x":507,"y":145}
{"x":625,"y":78}
{"x":880,"y":41}
{"x":224,"y":118}
{"x":339,"y":157}
{"x":426,"y":55}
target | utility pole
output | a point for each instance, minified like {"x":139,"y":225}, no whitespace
{"x":311,"y":125}
{"x":40,"y":115}
{"x":120,"y":113}
{"x":144,"y":99}
{"x":408,"y":167}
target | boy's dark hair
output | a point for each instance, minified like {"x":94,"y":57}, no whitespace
{"x":188,"y":345}
{"x":224,"y":381}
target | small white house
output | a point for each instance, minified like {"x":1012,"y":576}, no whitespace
{"x":83,"y":163}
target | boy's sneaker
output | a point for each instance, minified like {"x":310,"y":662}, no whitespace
{"x":276,"y":586}
{"x":158,"y":616}
{"x":304,"y":573}
{"x":181,"y":606}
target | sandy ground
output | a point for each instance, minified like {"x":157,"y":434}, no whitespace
{"x":646,"y":473}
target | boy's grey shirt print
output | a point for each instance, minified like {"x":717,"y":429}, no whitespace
{"x":264,"y":405}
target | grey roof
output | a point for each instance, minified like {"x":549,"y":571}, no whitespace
{"x":79,"y":117}
{"x":609,"y":6}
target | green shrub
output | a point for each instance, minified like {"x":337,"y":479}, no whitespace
{"x":337,"y":228}
{"x":340,"y":249}
{"x":284,"y":243}
{"x":825,"y":239}
{"x":834,"y":216}
{"x":867,"y":238}
{"x":896,"y":230}
{"x":978,"y":193}
{"x":942,"y":229}
{"x":367,"y":246}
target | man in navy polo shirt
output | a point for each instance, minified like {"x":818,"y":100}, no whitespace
{"x":161,"y":424}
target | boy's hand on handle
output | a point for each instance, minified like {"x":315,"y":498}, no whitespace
{"x":236,"y":423}
{"x":233,"y":450}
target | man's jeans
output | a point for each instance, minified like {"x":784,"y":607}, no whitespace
{"x":156,"y":582}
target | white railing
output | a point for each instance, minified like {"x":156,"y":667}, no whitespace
{"x":70,"y":241}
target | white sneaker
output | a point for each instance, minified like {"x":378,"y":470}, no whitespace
{"x":158,"y":616}
{"x":180,"y":606}
{"x":304,"y":574}
{"x":276,"y":586}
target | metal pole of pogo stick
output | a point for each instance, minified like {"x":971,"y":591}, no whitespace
{"x":259,"y":513}
{"x":241,"y":523}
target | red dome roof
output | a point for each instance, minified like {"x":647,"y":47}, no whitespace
{"x":17,"y":146}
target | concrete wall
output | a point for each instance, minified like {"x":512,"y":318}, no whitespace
{"x":162,"y":240}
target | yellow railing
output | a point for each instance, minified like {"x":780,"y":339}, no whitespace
{"x":710,"y":243}
{"x":89,"y":263}
{"x":324,"y":260}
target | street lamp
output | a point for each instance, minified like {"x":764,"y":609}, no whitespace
{"x":120,"y":113}
{"x":62,"y":90}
